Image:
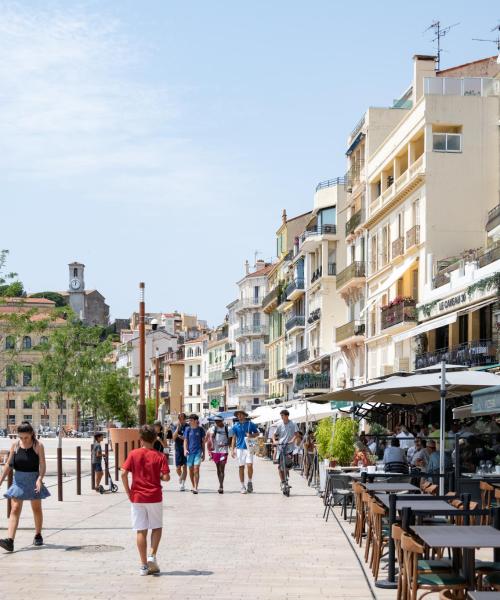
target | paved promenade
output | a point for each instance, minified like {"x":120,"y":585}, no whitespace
{"x":258,"y":546}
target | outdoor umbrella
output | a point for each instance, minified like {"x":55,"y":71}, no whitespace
{"x":442,"y":382}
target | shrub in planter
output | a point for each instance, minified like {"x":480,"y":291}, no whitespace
{"x":344,"y":439}
{"x":323,"y":437}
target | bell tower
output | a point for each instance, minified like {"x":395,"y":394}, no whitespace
{"x":76,"y":289}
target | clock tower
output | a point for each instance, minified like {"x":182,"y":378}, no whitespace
{"x":77,"y":289}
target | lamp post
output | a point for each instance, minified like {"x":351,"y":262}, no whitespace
{"x":142,"y":357}
{"x":157,"y":380}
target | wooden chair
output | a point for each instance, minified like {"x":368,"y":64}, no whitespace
{"x":486,"y":490}
{"x":380,"y":536}
{"x":432,"y":489}
{"x":367,"y":502}
{"x":431,"y":580}
{"x":359,"y":527}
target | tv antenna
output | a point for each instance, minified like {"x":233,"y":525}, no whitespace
{"x":494,"y":41}
{"x":439,"y":32}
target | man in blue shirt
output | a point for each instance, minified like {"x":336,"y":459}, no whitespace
{"x":244,"y":432}
{"x":194,"y":450}
{"x":180,"y":459}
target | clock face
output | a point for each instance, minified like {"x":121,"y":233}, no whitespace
{"x":75,"y":283}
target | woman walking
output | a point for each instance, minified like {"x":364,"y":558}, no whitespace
{"x":27,"y":460}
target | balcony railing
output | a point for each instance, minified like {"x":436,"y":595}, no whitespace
{"x":295,"y":284}
{"x":351,"y":329}
{"x":493,"y":218}
{"x":318,"y":230}
{"x":489,"y":257}
{"x":248,"y":390}
{"x":353,"y":175}
{"x":314,"y":315}
{"x":398,"y":247}
{"x":214,"y":383}
{"x":284,"y":374}
{"x":354,"y":222}
{"x":250,"y":359}
{"x":472,"y":354}
{"x":316,"y":274}
{"x":402,"y":312}
{"x":271,"y":297}
{"x":329,"y":183}
{"x":250,"y":330}
{"x":354,"y":270}
{"x":292,"y":358}
{"x":295,"y":321}
{"x":229,"y":374}
{"x":459,"y":86}
{"x":253,"y":302}
{"x":303,"y":355}
{"x":332,"y":269}
{"x":413,"y":236}
{"x":311,"y":381}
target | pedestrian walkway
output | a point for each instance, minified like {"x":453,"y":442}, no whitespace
{"x":234,"y":546}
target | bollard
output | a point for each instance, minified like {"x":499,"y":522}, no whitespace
{"x":117,"y":461}
{"x":59,"y":475}
{"x":106,"y":462}
{"x":78,"y":470}
{"x":133,"y":444}
{"x":10,"y":478}
{"x":92,"y":470}
{"x":125,"y":450}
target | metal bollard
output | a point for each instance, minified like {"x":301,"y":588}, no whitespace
{"x":78,"y":470}
{"x":106,"y":454}
{"x":59,"y":475}
{"x":133,"y":444}
{"x":92,"y":470}
{"x":10,"y":479}
{"x":125,"y":450}
{"x":117,"y":461}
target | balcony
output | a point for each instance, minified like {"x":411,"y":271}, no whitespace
{"x":250,"y":359}
{"x":312,"y":381}
{"x":493,"y":218}
{"x":400,"y":311}
{"x":295,"y":322}
{"x":249,"y":303}
{"x":251,"y":390}
{"x":292,"y":358}
{"x":489,"y":257}
{"x":353,"y":274}
{"x":214,"y":383}
{"x":354,"y":175}
{"x":284,"y":374}
{"x":316,"y":274}
{"x":354,"y":222}
{"x":332,"y":269}
{"x":295,"y":289}
{"x":351,"y":332}
{"x":250,"y":331}
{"x":398,"y":247}
{"x":329,"y":183}
{"x":313,"y":235}
{"x":315,"y":315}
{"x":303,"y":355}
{"x":229,"y":374}
{"x":471,"y":354}
{"x":459,"y":86}
{"x":270,"y":301}
{"x":413,"y":236}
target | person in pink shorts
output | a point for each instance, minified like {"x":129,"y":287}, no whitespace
{"x":219,"y":436}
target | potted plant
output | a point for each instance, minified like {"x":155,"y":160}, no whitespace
{"x":344,"y":439}
{"x":323,"y":436}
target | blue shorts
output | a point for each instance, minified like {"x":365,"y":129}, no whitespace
{"x":97,"y":467}
{"x":180,"y":459}
{"x":194,"y":460}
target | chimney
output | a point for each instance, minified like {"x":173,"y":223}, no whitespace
{"x":260,"y":264}
{"x":283,"y":216}
{"x":247,"y":267}
{"x":423,"y":66}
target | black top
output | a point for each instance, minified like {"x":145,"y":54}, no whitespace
{"x":157,"y":444}
{"x":25,"y":460}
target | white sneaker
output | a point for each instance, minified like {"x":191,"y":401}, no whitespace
{"x":243,"y":490}
{"x":144,"y":570}
{"x":152,"y":564}
{"x":182,"y":486}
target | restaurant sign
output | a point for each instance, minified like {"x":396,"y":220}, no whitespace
{"x":486,"y":401}
{"x":452,"y":302}
{"x":338,"y":404}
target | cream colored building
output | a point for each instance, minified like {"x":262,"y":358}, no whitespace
{"x":194,"y":397}
{"x":217,"y":357}
{"x":430,"y":185}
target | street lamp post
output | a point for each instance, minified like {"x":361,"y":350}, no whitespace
{"x":157,"y":380}
{"x":142,"y":357}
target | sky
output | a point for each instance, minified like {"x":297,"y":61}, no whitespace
{"x":160,"y":140}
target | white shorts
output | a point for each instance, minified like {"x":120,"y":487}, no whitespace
{"x":146,"y":515}
{"x":244,"y":457}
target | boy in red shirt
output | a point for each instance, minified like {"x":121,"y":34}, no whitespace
{"x":149,"y":468}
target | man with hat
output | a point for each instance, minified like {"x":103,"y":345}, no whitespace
{"x":286,"y":435}
{"x":218,"y":442}
{"x":242,"y":431}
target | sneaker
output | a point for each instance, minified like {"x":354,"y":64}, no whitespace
{"x":182,"y":486}
{"x":194,"y":491}
{"x":7,"y":544}
{"x":144,"y":570}
{"x":243,"y":490}
{"x":220,"y":490}
{"x":152,"y":564}
{"x":38,"y":540}
{"x":101,"y":490}
{"x":249,"y":487}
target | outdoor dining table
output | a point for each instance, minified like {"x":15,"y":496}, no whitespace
{"x":391,"y":487}
{"x":418,"y":504}
{"x":460,"y":537}
{"x":484,"y":595}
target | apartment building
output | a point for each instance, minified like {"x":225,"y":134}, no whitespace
{"x":194,"y":398}
{"x":430,"y":185}
{"x":250,"y":335}
{"x":217,"y":366}
{"x":171,"y":365}
{"x":285,"y":285}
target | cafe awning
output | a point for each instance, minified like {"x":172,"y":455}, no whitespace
{"x":486,"y":401}
{"x":427,"y":326}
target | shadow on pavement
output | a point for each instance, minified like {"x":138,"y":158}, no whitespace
{"x":190,"y":573}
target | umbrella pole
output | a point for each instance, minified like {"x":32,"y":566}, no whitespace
{"x":442,"y":427}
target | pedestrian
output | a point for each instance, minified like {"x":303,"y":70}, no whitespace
{"x":97,"y":461}
{"x":218,"y":440}
{"x":242,"y":449}
{"x":160,"y":443}
{"x":194,"y":450}
{"x":286,"y":435}
{"x":27,"y":460}
{"x":180,"y":458}
{"x":148,"y":468}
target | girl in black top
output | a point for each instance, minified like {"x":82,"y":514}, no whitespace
{"x":27,"y":460}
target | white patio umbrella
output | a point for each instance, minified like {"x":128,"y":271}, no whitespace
{"x":439,"y":383}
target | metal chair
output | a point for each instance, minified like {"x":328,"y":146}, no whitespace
{"x":338,"y":495}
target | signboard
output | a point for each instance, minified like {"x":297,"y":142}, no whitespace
{"x":338,"y":404}
{"x":486,"y":402}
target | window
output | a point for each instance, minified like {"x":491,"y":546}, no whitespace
{"x":190,"y":370}
{"x":210,"y":358}
{"x":27,"y":375}
{"x":447,"y":142}
{"x":44,"y":339}
{"x":11,"y":404}
{"x":414,"y":284}
{"x":11,"y":420}
{"x":26,"y":342}
{"x":10,"y":376}
{"x":256,"y":292}
{"x":327,"y":216}
{"x":198,"y":351}
{"x":10,"y":342}
{"x":198,"y":370}
{"x":256,"y":319}
{"x":190,"y":352}
{"x":28,"y":418}
{"x":463,"y":329}
{"x":44,"y":420}
{"x":75,"y":272}
{"x":415,"y":209}
{"x":190,"y":390}
{"x":198,"y":390}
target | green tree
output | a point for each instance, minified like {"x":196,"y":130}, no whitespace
{"x":117,"y":401}
{"x":344,"y":439}
{"x":12,"y":290}
{"x":59,"y":299}
{"x":150,"y":410}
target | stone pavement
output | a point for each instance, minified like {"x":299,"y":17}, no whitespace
{"x":258,"y":546}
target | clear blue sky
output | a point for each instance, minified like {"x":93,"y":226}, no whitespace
{"x":160,"y":140}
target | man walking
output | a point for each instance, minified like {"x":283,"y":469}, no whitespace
{"x":194,"y":450}
{"x":97,"y":461}
{"x":286,"y":435}
{"x":243,"y":431}
{"x":180,"y":458}
{"x":149,"y":468}
{"x":219,"y":448}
